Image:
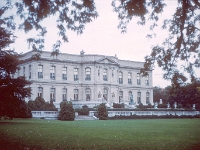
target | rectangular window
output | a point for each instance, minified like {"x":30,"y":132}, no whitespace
{"x":52,"y":73}
{"x":75,"y":74}
{"x":139,"y":97}
{"x":75,"y":94}
{"x":64,"y":73}
{"x":52,"y":94}
{"x":40,"y":71}
{"x":29,"y":71}
{"x":129,"y":78}
{"x":138,"y":79}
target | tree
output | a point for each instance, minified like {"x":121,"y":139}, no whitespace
{"x":71,"y":14}
{"x":181,"y":46}
{"x":22,"y":110}
{"x":67,"y":112}
{"x":12,"y":90}
{"x":161,"y":93}
{"x":187,"y":94}
{"x":102,"y":112}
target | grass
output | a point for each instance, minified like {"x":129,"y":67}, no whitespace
{"x":178,"y":134}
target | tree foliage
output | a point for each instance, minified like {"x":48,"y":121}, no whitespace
{"x":40,"y":104}
{"x":12,"y":90}
{"x":184,"y":96}
{"x":71,"y":15}
{"x":67,"y":112}
{"x":160,"y":93}
{"x":188,"y":94}
{"x":178,"y":56}
{"x":182,"y":45}
{"x":102,"y":112}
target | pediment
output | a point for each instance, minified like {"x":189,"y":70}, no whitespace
{"x":106,"y":61}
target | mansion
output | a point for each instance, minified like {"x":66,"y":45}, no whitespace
{"x":86,"y":79}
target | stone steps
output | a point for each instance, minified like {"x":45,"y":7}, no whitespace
{"x":82,"y":117}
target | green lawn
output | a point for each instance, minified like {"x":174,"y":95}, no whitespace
{"x":112,"y":134}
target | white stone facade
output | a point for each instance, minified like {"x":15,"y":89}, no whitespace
{"x":86,"y":79}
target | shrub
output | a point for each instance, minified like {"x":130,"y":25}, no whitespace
{"x":117,"y":105}
{"x":102,"y":112}
{"x":84,"y":110}
{"x":180,"y":106}
{"x":162,"y":106}
{"x":41,"y":105}
{"x":149,"y":105}
{"x":141,"y":106}
{"x":67,"y":112}
{"x":188,"y":106}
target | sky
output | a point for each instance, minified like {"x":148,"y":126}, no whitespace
{"x":103,"y":37}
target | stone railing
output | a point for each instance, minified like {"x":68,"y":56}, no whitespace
{"x":45,"y":114}
{"x":145,"y":113}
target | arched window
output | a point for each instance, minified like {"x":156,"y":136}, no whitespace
{"x":76,"y":94}
{"x":129,"y":78}
{"x":88,"y":94}
{"x":120,"y":78}
{"x":64,"y":94}
{"x":138,"y":97}
{"x":105,"y":75}
{"x":105,"y":94}
{"x":147,"y":98}
{"x":52,"y":94}
{"x":130,"y":95}
{"x":40,"y":92}
{"x":120,"y":96}
{"x":87,"y":74}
